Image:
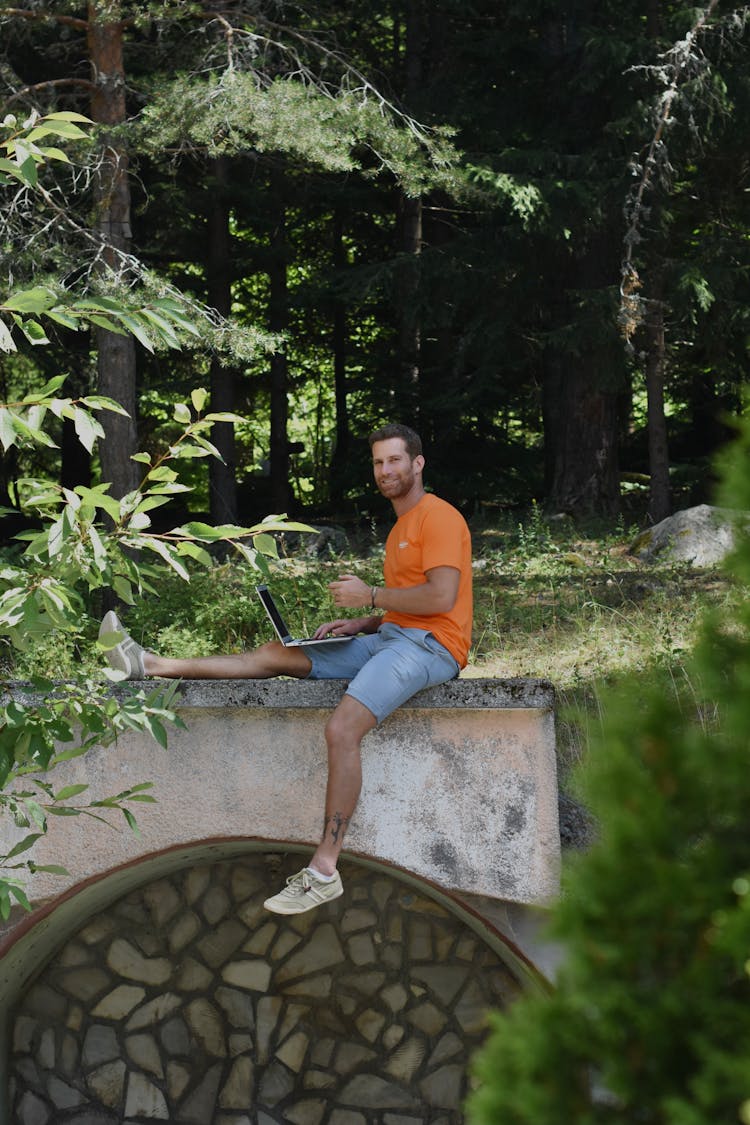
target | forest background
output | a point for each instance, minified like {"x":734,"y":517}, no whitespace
{"x":422,"y":211}
{"x":523,"y":228}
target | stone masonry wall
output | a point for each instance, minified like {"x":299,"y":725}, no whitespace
{"x":187,"y":1002}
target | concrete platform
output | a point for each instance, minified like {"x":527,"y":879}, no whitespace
{"x":459,"y":786}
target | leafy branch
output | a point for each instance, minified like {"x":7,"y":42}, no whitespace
{"x":87,"y":540}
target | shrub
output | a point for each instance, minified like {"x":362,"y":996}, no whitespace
{"x":649,"y":1020}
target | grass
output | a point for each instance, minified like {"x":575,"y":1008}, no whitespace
{"x":580,"y":611}
{"x":550,"y":602}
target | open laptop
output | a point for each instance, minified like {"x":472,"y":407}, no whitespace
{"x":280,"y":626}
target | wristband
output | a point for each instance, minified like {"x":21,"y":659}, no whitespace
{"x":373,"y":592}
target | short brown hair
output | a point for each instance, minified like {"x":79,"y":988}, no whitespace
{"x":410,"y":438}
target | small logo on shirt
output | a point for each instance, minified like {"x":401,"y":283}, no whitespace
{"x":403,"y":543}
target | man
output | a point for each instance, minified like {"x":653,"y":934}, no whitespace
{"x":416,"y":634}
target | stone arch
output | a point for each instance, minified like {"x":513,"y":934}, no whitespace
{"x":164,"y":991}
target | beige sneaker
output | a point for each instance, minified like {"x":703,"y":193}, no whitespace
{"x":126,"y":655}
{"x":304,"y":891}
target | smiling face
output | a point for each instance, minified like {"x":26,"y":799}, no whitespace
{"x":397,"y":475}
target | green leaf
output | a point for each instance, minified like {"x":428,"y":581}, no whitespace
{"x":11,"y":169}
{"x":69,"y":791}
{"x":193,"y":551}
{"x":189,"y":449}
{"x":108,"y":325}
{"x":19,"y":894}
{"x":123,"y":589}
{"x":133,"y":824}
{"x":136,"y":329}
{"x":169,"y":556}
{"x":60,"y":316}
{"x":182,"y":413}
{"x":36,"y":812}
{"x":199,"y":398}
{"x":6,"y":340}
{"x":36,"y":300}
{"x":53,"y":153}
{"x":29,"y":171}
{"x":8,"y":432}
{"x":52,"y":386}
{"x":158,"y":731}
{"x":62,"y":127}
{"x":87,"y":429}
{"x":223,"y":416}
{"x":67,"y":755}
{"x":67,"y":115}
{"x":34,"y":332}
{"x":99,"y":498}
{"x":143,"y":458}
{"x":101,"y":402}
{"x":209,"y":447}
{"x":164,"y":329}
{"x":267,"y":545}
{"x":24,"y":845}
{"x":196,"y":530}
{"x":162,"y":472}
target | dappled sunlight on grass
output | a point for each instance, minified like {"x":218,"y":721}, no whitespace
{"x":550,"y":603}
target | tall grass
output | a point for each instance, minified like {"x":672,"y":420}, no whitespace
{"x":550,"y":602}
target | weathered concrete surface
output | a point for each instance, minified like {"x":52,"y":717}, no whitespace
{"x":459,"y":786}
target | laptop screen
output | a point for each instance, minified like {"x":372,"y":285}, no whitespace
{"x":272,"y":610}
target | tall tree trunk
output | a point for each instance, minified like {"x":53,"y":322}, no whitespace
{"x":583,"y":389}
{"x":408,"y":296}
{"x":584,"y":447}
{"x":659,"y":494}
{"x":115,"y":354}
{"x":410,"y":228}
{"x":222,"y":476}
{"x":340,"y":459}
{"x":278,"y":319}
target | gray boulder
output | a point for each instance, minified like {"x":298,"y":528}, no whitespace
{"x":701,"y":536}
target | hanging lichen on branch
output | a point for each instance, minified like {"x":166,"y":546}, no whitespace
{"x":684,"y":63}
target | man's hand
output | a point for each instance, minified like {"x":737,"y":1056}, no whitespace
{"x":341,"y":627}
{"x":349,"y":592}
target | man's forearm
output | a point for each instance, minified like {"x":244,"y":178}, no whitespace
{"x":424,"y":600}
{"x":436,"y":595}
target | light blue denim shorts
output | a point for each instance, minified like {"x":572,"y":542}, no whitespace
{"x":386,"y":668}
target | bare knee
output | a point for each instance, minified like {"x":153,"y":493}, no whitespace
{"x":347,"y":726}
{"x":273,"y":659}
{"x":337,"y":732}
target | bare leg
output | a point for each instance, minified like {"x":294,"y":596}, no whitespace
{"x":271,"y":659}
{"x":345,"y":730}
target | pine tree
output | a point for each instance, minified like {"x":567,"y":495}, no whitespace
{"x":649,"y":1020}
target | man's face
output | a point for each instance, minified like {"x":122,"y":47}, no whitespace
{"x":395,"y":472}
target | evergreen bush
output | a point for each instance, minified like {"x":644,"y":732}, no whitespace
{"x":649,"y":1020}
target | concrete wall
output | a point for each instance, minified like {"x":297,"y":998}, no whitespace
{"x":363,"y":1013}
{"x":459,"y":786}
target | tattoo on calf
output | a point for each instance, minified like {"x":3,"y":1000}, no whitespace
{"x":338,"y":825}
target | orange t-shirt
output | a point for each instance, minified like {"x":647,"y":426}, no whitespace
{"x":432,"y":533}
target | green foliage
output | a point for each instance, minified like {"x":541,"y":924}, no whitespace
{"x":220,"y":611}
{"x":85,"y":541}
{"x":156,"y":313}
{"x":650,"y":1017}
{"x":231,"y":113}
{"x":24,"y":155}
{"x":90,"y":541}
